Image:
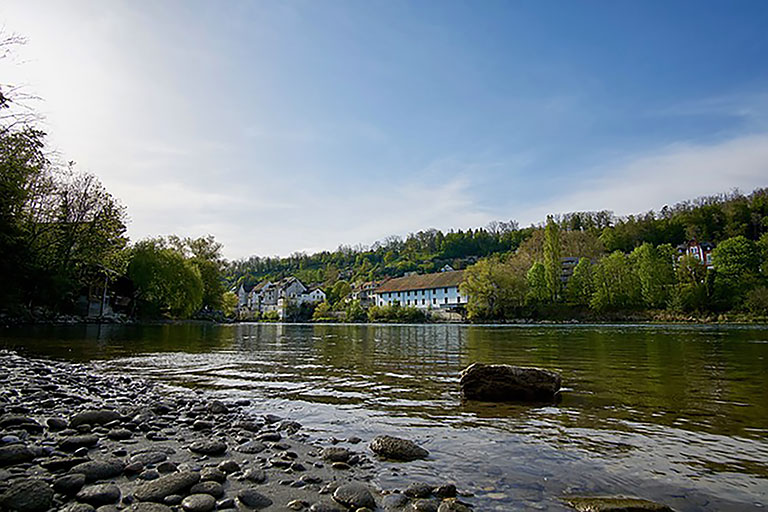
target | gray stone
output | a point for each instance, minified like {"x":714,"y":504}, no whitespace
{"x":445,"y":491}
{"x":251,"y":447}
{"x":453,"y":505}
{"x":100,"y":494}
{"x":199,"y":503}
{"x":256,"y":475}
{"x":335,"y":454}
{"x":614,"y":504}
{"x":252,"y":498}
{"x":72,"y":443}
{"x":69,"y":485}
{"x":146,"y":458}
{"x":394,"y":501}
{"x":99,"y":469}
{"x":27,"y":496}
{"x":149,"y":507}
{"x":119,"y":434}
{"x":418,"y":490}
{"x":354,"y":495}
{"x":215,"y":489}
{"x":94,"y":417}
{"x":209,"y":447}
{"x":322,"y":506}
{"x":15,"y":454}
{"x":213,"y":474}
{"x":396,"y":448}
{"x":501,"y":382}
{"x":164,"y":486}
{"x":56,"y":424}
{"x":78,"y":507}
{"x":422,"y":505}
{"x":228,"y":467}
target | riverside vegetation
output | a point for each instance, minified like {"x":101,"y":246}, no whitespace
{"x":63,"y":237}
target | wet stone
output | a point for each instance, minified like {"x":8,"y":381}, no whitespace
{"x":256,"y":475}
{"x":213,"y":474}
{"x":251,"y":447}
{"x":209,"y":447}
{"x":149,"y":458}
{"x":614,"y":504}
{"x":164,"y":486}
{"x":99,"y":470}
{"x":72,"y":443}
{"x":199,"y":503}
{"x":15,"y":454}
{"x":78,"y":507}
{"x":418,"y":490}
{"x":149,"y":507}
{"x":119,"y":434}
{"x":94,"y":417}
{"x":445,"y":491}
{"x":69,"y":485}
{"x":101,"y":494}
{"x":27,"y":496}
{"x":252,"y":498}
{"x":453,"y":505}
{"x":322,"y":506}
{"x":396,"y":448}
{"x":215,"y":489}
{"x":354,"y":495}
{"x":422,"y":505}
{"x":229,"y":466}
{"x":335,"y":454}
{"x":394,"y":501}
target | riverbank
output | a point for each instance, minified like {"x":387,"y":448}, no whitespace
{"x":75,"y":440}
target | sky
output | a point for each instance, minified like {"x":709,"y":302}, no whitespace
{"x":285,"y":126}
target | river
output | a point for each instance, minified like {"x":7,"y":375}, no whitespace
{"x":677,"y":414}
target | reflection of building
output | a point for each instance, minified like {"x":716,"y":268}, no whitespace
{"x":700,"y":251}
{"x":426,"y":291}
{"x":276,"y":296}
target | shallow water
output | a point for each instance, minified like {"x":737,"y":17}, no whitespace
{"x":677,"y":414}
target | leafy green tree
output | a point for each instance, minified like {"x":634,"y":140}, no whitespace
{"x":339,"y":291}
{"x":165,"y":282}
{"x":579,"y":287}
{"x":616,"y":286}
{"x":737,"y":266}
{"x":655,"y":272}
{"x":355,"y":312}
{"x":323,"y":311}
{"x":538,"y":291}
{"x":229,"y":304}
{"x":552,"y":262}
{"x":496,"y":289}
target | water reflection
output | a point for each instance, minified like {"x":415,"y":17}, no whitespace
{"x":674,"y":413}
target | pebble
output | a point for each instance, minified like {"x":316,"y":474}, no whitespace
{"x":252,"y":498}
{"x":354,"y":495}
{"x":396,"y":448}
{"x":99,"y":494}
{"x":199,"y":503}
{"x":27,"y":496}
{"x":215,"y":489}
{"x":209,"y":447}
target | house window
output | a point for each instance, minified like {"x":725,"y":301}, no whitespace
{"x":422,"y":302}
{"x":445,"y":290}
{"x":434,"y":301}
{"x":446,"y":300}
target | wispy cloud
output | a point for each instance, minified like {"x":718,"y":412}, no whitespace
{"x":666,"y":176}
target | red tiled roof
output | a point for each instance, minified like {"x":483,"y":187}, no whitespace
{"x":422,"y":282}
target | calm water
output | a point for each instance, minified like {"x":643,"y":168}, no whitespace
{"x":672,"y":413}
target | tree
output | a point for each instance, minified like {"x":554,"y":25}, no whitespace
{"x":165,"y":282}
{"x":737,"y":267}
{"x":496,"y":289}
{"x":552,"y":262}
{"x":655,"y":272}
{"x":355,"y":312}
{"x":615,"y":283}
{"x":339,"y":291}
{"x":538,"y":291}
{"x":579,"y":287}
{"x":322,"y":311}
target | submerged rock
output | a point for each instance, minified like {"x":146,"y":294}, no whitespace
{"x":396,"y":448}
{"x":615,"y":504}
{"x":501,"y":382}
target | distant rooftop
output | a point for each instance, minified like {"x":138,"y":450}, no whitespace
{"x":422,"y":282}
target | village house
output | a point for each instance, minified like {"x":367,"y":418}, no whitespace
{"x":426,"y":291}
{"x":276,"y":296}
{"x":700,"y":251}
{"x":364,"y":292}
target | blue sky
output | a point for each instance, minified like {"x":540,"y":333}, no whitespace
{"x":299,"y":126}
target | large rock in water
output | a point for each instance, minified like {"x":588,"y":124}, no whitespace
{"x":396,"y":448}
{"x":505,"y":383}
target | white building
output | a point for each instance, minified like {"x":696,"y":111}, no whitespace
{"x":275,"y":296}
{"x":427,"y":291}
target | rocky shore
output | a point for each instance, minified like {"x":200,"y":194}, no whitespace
{"x":78,"y":441}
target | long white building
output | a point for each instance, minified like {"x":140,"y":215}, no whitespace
{"x":426,"y":291}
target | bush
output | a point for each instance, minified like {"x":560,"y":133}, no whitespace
{"x":757,"y":301}
{"x":396,"y":313}
{"x":271,"y":316}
